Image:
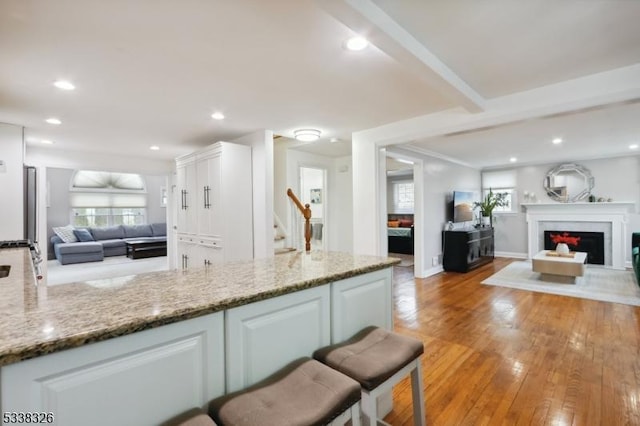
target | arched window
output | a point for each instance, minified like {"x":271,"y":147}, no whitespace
{"x":107,"y":198}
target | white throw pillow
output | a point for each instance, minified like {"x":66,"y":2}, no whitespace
{"x":65,"y":233}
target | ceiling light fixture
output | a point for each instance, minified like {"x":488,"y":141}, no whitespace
{"x":307,"y":135}
{"x":334,"y":140}
{"x":357,"y":43}
{"x":64,"y":85}
{"x":513,"y":159}
{"x":217,"y":116}
{"x":633,"y":146}
{"x":53,"y":120}
{"x":46,"y":142}
{"x":401,"y":160}
{"x":557,"y":141}
{"x":154,"y":148}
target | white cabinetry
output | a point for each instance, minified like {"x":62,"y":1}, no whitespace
{"x":186,"y":178}
{"x":359,"y":302}
{"x":265,"y":336}
{"x":140,"y":379}
{"x":215,"y":219}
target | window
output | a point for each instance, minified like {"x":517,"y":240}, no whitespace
{"x":403,"y":197}
{"x":83,"y":217}
{"x":503,"y":181}
{"x":107,"y":199}
{"x":508,"y":208}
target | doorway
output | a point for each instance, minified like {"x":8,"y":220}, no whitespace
{"x":313,"y":191}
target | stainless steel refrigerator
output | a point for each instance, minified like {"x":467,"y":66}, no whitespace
{"x":30,"y":204}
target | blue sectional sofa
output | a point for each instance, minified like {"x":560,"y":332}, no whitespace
{"x":97,"y":243}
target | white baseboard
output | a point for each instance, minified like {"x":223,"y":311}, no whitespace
{"x":431,"y":271}
{"x":512,"y":254}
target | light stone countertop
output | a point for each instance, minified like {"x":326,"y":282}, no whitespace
{"x":45,"y":319}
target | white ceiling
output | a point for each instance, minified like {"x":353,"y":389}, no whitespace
{"x":152,"y":72}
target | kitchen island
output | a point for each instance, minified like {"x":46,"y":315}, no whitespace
{"x":140,"y":349}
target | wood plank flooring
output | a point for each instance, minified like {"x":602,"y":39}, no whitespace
{"x":499,"y":356}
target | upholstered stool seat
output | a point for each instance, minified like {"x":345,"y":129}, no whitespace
{"x":194,"y":417}
{"x":305,"y":392}
{"x":378,"y":359}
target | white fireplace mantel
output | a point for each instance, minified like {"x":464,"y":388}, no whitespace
{"x":614,"y":213}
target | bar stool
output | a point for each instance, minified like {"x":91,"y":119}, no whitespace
{"x":305,"y":392}
{"x":193,"y":417}
{"x":378,"y":359}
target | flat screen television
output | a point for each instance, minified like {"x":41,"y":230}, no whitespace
{"x":463,"y":206}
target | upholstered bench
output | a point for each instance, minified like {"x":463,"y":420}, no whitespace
{"x":193,"y":417}
{"x":305,"y":392}
{"x":378,"y":359}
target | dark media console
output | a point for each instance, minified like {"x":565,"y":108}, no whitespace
{"x":466,"y":249}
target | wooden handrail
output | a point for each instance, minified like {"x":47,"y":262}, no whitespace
{"x":306,"y":212}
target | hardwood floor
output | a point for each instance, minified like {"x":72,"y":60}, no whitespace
{"x":499,"y":356}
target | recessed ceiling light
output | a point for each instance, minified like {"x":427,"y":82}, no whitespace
{"x":64,"y":85}
{"x":513,"y":159}
{"x":46,"y":142}
{"x":217,"y":116}
{"x":307,"y":135}
{"x":357,"y":43}
{"x":633,"y":146}
{"x":154,"y":148}
{"x":557,"y":141}
{"x":334,"y":140}
{"x":53,"y":120}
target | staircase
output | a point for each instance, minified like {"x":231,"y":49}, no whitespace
{"x":280,"y":238}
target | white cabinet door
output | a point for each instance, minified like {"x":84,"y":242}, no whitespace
{"x":140,"y":379}
{"x":186,"y":251}
{"x":186,"y":177}
{"x":210,"y":222}
{"x":265,"y":336}
{"x":359,"y":302}
{"x":210,"y":251}
{"x":209,"y":206}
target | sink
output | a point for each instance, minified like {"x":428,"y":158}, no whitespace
{"x":4,"y":270}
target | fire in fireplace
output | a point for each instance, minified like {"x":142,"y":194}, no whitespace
{"x":590,"y":242}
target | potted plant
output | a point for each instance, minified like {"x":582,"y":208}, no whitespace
{"x":489,"y":203}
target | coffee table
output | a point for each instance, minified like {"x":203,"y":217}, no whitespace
{"x":141,"y":249}
{"x":559,"y":268}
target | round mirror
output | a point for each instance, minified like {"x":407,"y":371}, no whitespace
{"x":568,"y":183}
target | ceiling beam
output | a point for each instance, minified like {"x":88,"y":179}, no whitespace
{"x":602,"y":89}
{"x":368,"y":20}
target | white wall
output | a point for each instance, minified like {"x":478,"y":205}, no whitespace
{"x":341,"y":215}
{"x":313,"y":179}
{"x":11,"y":182}
{"x":261,"y":144}
{"x":441,"y":178}
{"x":615,"y":178}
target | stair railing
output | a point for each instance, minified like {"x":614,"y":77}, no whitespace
{"x":306,"y":213}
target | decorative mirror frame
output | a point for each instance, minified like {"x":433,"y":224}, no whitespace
{"x":553,"y":192}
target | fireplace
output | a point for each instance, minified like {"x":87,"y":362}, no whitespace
{"x":591,"y":243}
{"x":609,"y":218}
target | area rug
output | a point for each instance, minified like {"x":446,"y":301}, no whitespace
{"x":602,"y":284}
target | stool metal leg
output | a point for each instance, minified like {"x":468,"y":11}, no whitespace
{"x":418,"y":395}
